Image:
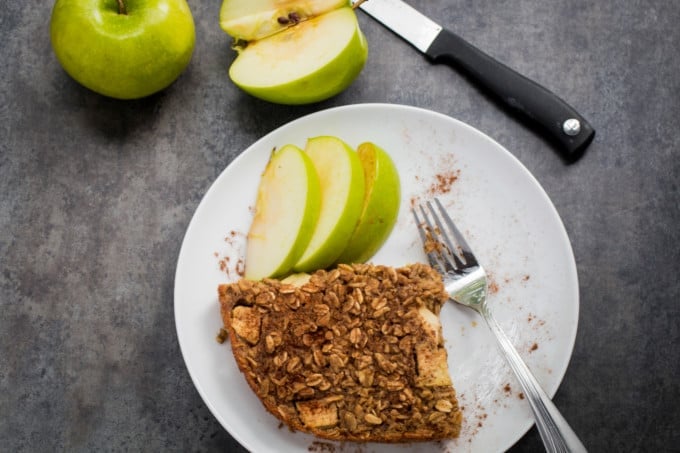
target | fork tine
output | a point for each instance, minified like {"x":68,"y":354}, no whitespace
{"x":444,"y":238}
{"x":437,"y":253}
{"x":465,"y":249}
{"x":419,"y":224}
{"x":425,"y":228}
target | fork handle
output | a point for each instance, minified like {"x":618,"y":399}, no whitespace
{"x":555,"y":432}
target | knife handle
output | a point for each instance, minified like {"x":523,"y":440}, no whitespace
{"x":558,"y":119}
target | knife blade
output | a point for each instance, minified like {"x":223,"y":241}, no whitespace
{"x":571,"y":131}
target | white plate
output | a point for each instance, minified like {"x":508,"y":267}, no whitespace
{"x":508,"y":219}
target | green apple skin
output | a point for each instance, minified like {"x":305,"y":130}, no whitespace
{"x":124,"y":56}
{"x":381,"y":205}
{"x":342,"y":195}
{"x":286,"y":212}
{"x":256,"y":19}
{"x":307,"y":63}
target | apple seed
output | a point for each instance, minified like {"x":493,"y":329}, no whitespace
{"x":294,"y":17}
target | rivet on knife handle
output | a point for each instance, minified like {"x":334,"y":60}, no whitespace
{"x":557,"y":118}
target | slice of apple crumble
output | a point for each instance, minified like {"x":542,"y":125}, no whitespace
{"x":355,"y":353}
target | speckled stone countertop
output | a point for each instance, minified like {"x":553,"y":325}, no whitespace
{"x":96,"y":194}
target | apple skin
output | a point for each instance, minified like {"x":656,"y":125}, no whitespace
{"x":381,"y":205}
{"x":320,"y":83}
{"x":286,"y":212}
{"x":341,"y":177}
{"x":123,"y":56}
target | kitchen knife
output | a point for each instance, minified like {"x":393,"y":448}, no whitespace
{"x":560,"y":121}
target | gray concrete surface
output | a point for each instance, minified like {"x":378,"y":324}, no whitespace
{"x":96,"y":194}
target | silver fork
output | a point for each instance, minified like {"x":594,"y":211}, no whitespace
{"x":465,"y":281}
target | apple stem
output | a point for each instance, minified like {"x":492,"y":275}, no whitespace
{"x":356,"y":4}
{"x":121,"y":7}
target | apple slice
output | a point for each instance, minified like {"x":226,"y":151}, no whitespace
{"x":256,"y":19}
{"x":286,"y":211}
{"x":342,"y":193}
{"x":380,"y":208}
{"x":308,"y":62}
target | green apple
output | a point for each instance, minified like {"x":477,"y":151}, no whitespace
{"x":381,"y":205}
{"x":342,"y":194}
{"x":310,"y":61}
{"x":124,"y":49}
{"x":256,"y":19}
{"x":286,"y":211}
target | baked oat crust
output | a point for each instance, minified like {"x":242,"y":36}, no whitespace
{"x":355,"y":353}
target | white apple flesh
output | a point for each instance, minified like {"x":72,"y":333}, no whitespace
{"x":256,"y":19}
{"x":286,"y":212}
{"x":342,"y":192}
{"x":311,"y":61}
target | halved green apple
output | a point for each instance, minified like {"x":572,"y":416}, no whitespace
{"x":380,"y":208}
{"x":252,"y":20}
{"x":342,"y":183}
{"x":311,"y":61}
{"x":286,"y":212}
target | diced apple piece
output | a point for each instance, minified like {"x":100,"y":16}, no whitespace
{"x":286,"y":211}
{"x":431,"y":357}
{"x":297,"y":279}
{"x":317,"y":414}
{"x":433,"y":369}
{"x":251,"y":20}
{"x":246,"y":322}
{"x":380,"y":208}
{"x":309,"y":62}
{"x":431,"y":325}
{"x":342,"y":183}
